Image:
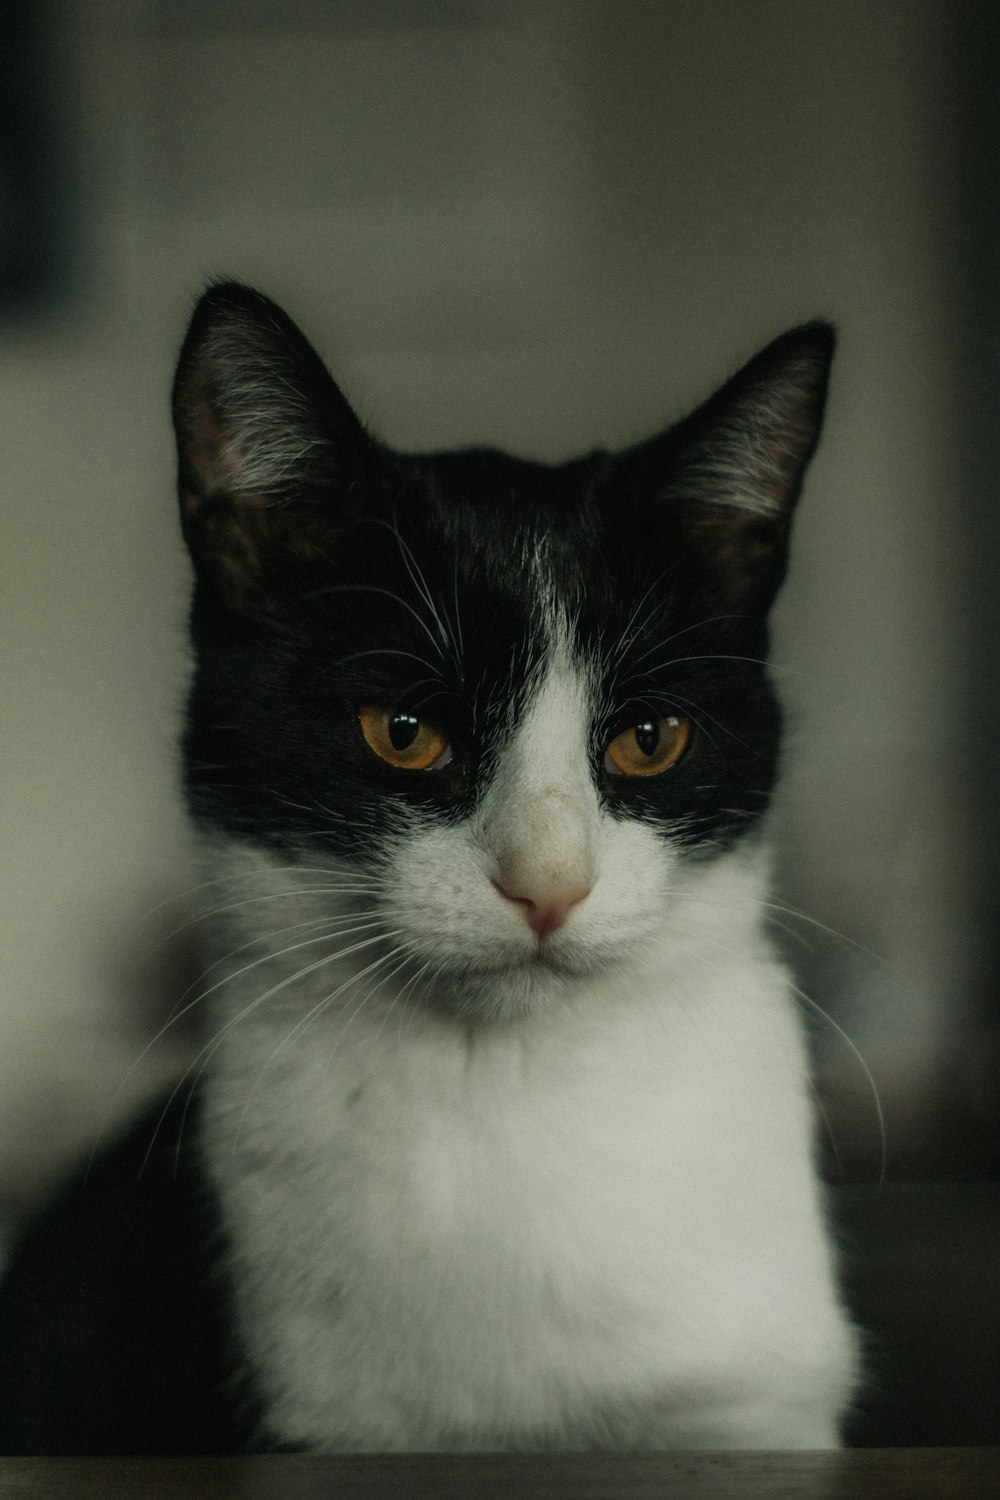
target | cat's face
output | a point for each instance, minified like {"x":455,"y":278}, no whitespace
{"x":525,"y":705}
{"x":554,"y":872}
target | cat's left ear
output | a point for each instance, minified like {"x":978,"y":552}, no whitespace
{"x":735,"y":467}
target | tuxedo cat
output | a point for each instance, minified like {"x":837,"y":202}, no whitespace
{"x":501,"y":1135}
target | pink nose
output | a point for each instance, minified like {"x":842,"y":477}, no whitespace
{"x":544,"y":911}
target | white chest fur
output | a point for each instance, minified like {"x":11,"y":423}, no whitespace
{"x":593,"y":1225}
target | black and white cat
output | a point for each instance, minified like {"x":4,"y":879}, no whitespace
{"x":504,"y":1137}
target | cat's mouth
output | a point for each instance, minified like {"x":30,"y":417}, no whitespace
{"x":557,"y":961}
{"x":543,"y":958}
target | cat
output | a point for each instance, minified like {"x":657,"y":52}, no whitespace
{"x":501,"y":1136}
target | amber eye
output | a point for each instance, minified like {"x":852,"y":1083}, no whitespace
{"x":398,"y":736}
{"x":648,"y":748}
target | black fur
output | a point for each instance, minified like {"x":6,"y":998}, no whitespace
{"x":115,"y":1335}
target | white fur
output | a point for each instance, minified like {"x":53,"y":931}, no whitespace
{"x":490,"y":1200}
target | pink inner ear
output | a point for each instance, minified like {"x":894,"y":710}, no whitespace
{"x":230,"y":538}
{"x":744,"y":553}
{"x":211,"y":456}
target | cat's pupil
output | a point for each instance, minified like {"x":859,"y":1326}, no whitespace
{"x":403,"y":730}
{"x":647,"y":736}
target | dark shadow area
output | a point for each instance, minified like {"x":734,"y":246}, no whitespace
{"x":922,"y":1265}
{"x":34,"y":208}
{"x":922,"y":1275}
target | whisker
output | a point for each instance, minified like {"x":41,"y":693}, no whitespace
{"x":332,"y":925}
{"x":824,"y":1115}
{"x":671,"y":699}
{"x":372,"y":588}
{"x":802,"y":916}
{"x":400,"y":998}
{"x":679,"y":661}
{"x":458,"y":615}
{"x":228,"y":878}
{"x":208,"y":1051}
{"x":315,"y":1011}
{"x":685,"y":630}
{"x":388,"y":651}
{"x":624,"y":640}
{"x":419,"y":582}
{"x":180,"y":1009}
{"x":290,"y":894}
{"x":876,"y":1098}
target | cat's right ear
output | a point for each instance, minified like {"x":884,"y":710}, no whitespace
{"x":269,"y":452}
{"x":730,"y":474}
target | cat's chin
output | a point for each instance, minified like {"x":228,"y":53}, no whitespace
{"x":505,"y":993}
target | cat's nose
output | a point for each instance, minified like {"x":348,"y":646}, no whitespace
{"x":545,"y":909}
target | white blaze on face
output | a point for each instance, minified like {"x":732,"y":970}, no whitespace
{"x":540,"y":819}
{"x":540,"y":871}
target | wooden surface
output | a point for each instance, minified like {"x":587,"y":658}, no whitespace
{"x":896,"y":1474}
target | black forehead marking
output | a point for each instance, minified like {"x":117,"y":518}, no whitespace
{"x":477,"y":546}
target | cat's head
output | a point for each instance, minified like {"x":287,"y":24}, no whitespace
{"x":525,"y":703}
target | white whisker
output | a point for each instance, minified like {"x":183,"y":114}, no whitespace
{"x":291,"y":893}
{"x":802,"y":916}
{"x":206,"y":1053}
{"x":876,"y":1098}
{"x":659,"y":645}
{"x":372,"y":588}
{"x":182,"y":1009}
{"x":315,"y":1011}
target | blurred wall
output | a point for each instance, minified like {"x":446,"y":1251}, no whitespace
{"x":542,"y":224}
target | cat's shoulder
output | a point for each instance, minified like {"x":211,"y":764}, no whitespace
{"x":114,"y":1329}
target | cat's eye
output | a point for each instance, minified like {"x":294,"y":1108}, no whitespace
{"x":647,"y":748}
{"x":403,"y":739}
